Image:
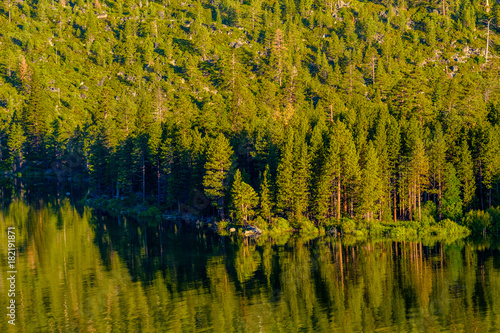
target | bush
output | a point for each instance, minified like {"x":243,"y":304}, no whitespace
{"x":222,"y":225}
{"x":151,"y":212}
{"x":304,"y":224}
{"x":427,"y":221}
{"x":260,"y":223}
{"x":377,"y":228}
{"x":449,"y":227}
{"x":494,"y":218}
{"x":280,"y":224}
{"x":347,"y":225}
{"x":404,"y":232}
{"x":429,"y":210}
{"x":477,"y":221}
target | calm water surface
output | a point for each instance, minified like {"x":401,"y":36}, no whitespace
{"x":81,"y":272}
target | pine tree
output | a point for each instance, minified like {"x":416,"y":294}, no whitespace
{"x":15,"y":143}
{"x":393,"y":152}
{"x":437,"y":159}
{"x":381,"y":146}
{"x":34,"y":119}
{"x":284,"y":180}
{"x":466,"y":175}
{"x":300,"y":177}
{"x":266,"y":204}
{"x":99,"y":158}
{"x":491,"y":157}
{"x":143,"y":126}
{"x":328,"y":191}
{"x":370,"y":188}
{"x":243,"y":200}
{"x":350,"y":171}
{"x":278,"y":56}
{"x":451,"y":207}
{"x":217,"y":167}
{"x":154,"y":148}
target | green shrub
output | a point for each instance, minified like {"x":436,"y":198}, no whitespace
{"x":222,"y":225}
{"x":429,"y":210}
{"x":260,"y":223}
{"x":449,"y":227}
{"x":281,"y":224}
{"x":151,"y":212}
{"x":377,"y":228}
{"x":494,"y":218}
{"x":404,"y":232}
{"x":427,"y":221}
{"x":477,"y":221}
{"x":347,"y":225}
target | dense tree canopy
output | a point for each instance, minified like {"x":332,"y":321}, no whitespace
{"x":326,"y":109}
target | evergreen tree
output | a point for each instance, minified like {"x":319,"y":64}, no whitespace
{"x":370,"y":180}
{"x":217,"y":167}
{"x":243,"y":200}
{"x":266,"y":204}
{"x":437,"y":159}
{"x":491,"y":158}
{"x":300,"y":177}
{"x":451,"y":207}
{"x":34,"y":119}
{"x":466,"y":175}
{"x":284,"y":180}
{"x":15,"y":143}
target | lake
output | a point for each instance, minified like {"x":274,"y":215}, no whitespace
{"x":80,"y":271}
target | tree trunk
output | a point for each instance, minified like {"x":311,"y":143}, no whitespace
{"x":158,"y":178}
{"x":419,"y":205}
{"x":481,"y":183}
{"x":338,"y":197}
{"x":395,"y":206}
{"x":143,"y":179}
{"x":440,"y":195}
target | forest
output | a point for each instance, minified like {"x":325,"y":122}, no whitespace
{"x":278,"y":113}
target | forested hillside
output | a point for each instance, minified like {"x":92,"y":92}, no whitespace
{"x":305,"y":110}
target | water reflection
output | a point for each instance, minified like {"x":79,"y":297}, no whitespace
{"x":83,"y":271}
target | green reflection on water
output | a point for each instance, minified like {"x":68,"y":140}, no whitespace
{"x":81,"y":272}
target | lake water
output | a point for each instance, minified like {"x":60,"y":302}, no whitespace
{"x":81,"y":272}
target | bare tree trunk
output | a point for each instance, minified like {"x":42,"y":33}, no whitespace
{"x":487,"y":38}
{"x":440,"y":202}
{"x":143,"y":178}
{"x":419,"y":205}
{"x":481,"y":184}
{"x":395,"y":206}
{"x":338,"y":197}
{"x":158,"y":178}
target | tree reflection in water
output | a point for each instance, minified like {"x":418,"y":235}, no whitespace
{"x":81,"y":271}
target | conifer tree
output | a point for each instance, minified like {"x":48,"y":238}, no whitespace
{"x":284,"y":180}
{"x":394,"y":146}
{"x":370,"y":188}
{"x":143,"y":125}
{"x":466,"y":175}
{"x":437,"y":159}
{"x":266,"y":204}
{"x":351,"y":173}
{"x":329,"y":186}
{"x":491,"y":157}
{"x":217,"y":167}
{"x":34,"y":119}
{"x":243,"y":200}
{"x":15,"y":143}
{"x":451,"y":207}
